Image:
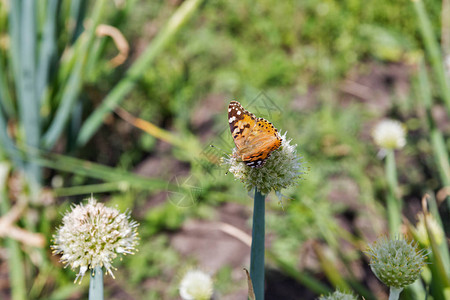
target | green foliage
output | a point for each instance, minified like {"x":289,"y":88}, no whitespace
{"x":302,"y":54}
{"x":163,"y":217}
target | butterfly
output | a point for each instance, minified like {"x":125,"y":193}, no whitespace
{"x":255,"y":138}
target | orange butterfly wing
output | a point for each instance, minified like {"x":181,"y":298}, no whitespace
{"x":255,"y":138}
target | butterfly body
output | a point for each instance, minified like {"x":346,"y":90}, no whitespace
{"x":255,"y":138}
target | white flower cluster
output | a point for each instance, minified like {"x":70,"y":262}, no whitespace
{"x":93,"y":235}
{"x":196,"y":285}
{"x":389,"y":134}
{"x":281,"y":170}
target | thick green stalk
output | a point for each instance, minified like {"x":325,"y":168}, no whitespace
{"x":394,"y":205}
{"x":96,"y":284}
{"x":257,"y":249}
{"x":138,"y":68}
{"x":28,"y":103}
{"x":394,"y":293}
{"x":433,"y":50}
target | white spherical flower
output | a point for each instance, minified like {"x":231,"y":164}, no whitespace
{"x":389,"y":134}
{"x":92,"y":235}
{"x":196,"y":285}
{"x":281,"y":170}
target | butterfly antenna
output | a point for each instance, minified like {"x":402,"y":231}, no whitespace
{"x":223,"y":151}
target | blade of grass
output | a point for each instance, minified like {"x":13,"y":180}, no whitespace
{"x":89,"y":189}
{"x":77,"y":13}
{"x":433,"y":50}
{"x":175,"y":23}
{"x":15,"y":257}
{"x":105,"y":173}
{"x":16,"y":271}
{"x":73,"y":87}
{"x":443,"y":247}
{"x":331,"y":272}
{"x":441,"y":279}
{"x":5,"y":96}
{"x":48,"y":48}
{"x":150,"y":128}
{"x":28,"y":104}
{"x":7,"y":144}
{"x":437,"y":139}
{"x":14,"y":33}
{"x":309,"y":281}
{"x":93,"y":170}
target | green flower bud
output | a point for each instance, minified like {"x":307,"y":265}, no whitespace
{"x":396,"y":262}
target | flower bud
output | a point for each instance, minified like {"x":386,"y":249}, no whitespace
{"x":396,"y":262}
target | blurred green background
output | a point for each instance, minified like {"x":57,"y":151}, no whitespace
{"x":325,"y":72}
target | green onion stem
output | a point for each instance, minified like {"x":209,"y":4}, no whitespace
{"x":394,"y":205}
{"x":96,"y":284}
{"x":394,"y":293}
{"x":257,"y":248}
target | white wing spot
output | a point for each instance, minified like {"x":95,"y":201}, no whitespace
{"x":229,"y":109}
{"x":230,"y":120}
{"x":239,"y":112}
